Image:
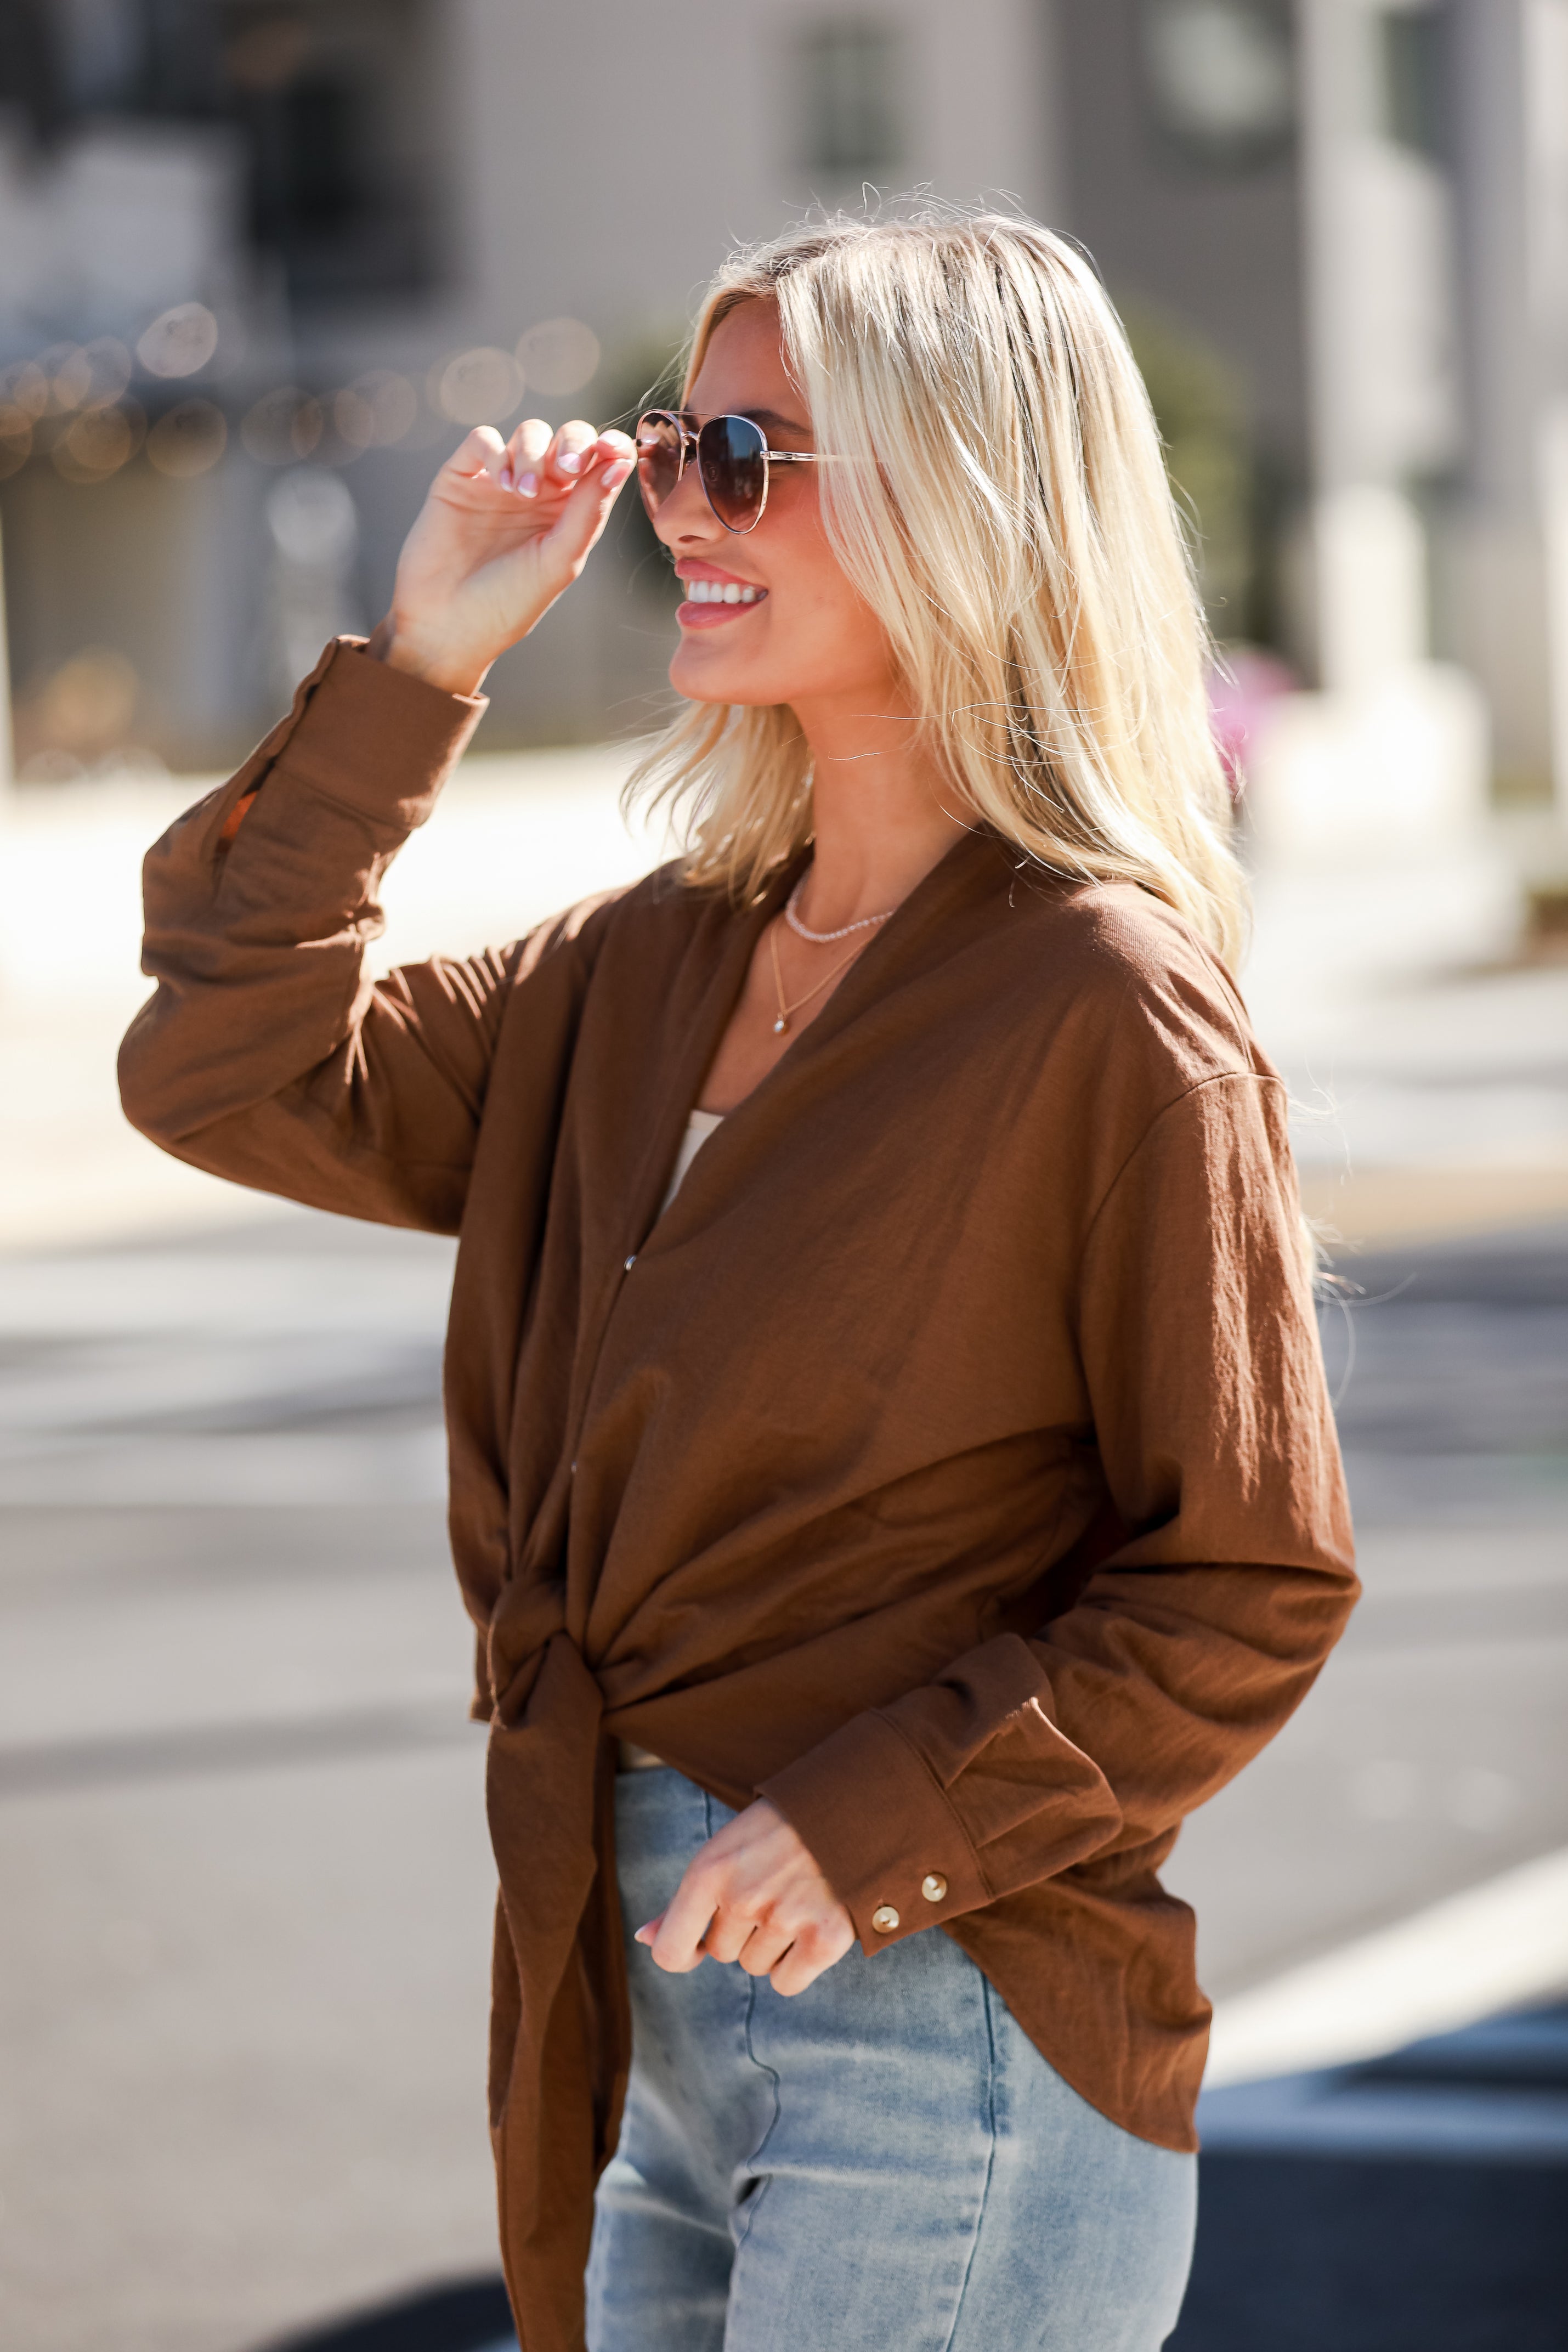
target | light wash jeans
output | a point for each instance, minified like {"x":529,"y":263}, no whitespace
{"x":883,"y":2163}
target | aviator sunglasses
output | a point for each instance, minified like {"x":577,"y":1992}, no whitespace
{"x":732,"y":460}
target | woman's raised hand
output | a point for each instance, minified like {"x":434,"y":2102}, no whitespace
{"x":506,"y":526}
{"x":754,"y":1895}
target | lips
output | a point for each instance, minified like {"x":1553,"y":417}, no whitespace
{"x":712,"y":597}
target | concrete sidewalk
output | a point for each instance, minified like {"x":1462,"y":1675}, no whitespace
{"x":1434,"y":1104}
{"x":514,"y":839}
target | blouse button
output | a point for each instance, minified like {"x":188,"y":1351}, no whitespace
{"x":630,"y":1262}
{"x":884,"y":1918}
{"x":934,"y":1886}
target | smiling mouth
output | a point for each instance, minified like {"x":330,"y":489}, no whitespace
{"x":722,"y":591}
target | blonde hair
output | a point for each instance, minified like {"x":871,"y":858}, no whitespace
{"x":1011,"y":524}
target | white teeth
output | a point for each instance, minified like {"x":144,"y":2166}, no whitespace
{"x":721,"y":592}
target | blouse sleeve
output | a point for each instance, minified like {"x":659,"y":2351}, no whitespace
{"x":265,"y":1055}
{"x":1199,"y":1632}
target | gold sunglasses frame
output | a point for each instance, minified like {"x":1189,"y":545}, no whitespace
{"x":689,"y":440}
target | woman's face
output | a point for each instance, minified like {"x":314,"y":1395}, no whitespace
{"x":808,"y":638}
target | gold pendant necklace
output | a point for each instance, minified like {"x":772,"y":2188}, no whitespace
{"x":781,"y":1025}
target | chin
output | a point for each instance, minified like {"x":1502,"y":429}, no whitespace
{"x":701,"y":677}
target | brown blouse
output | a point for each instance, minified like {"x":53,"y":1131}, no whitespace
{"x":950,"y":1463}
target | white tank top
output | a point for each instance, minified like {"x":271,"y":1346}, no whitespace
{"x":699,"y":1126}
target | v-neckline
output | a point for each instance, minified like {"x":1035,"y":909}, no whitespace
{"x":722,"y":996}
{"x":932,"y":888}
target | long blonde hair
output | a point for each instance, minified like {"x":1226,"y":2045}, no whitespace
{"x":1011,"y":524}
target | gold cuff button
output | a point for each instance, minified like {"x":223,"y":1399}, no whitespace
{"x":934,"y":1886}
{"x":884,"y":1918}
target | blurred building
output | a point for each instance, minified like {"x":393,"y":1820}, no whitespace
{"x":261,"y":261}
{"x":264,"y":262}
{"x":1356,"y":211}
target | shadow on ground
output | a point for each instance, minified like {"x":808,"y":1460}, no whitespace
{"x":463,"y":2315}
{"x":1415,"y":2203}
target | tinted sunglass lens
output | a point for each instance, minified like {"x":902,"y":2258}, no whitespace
{"x":658,"y":459}
{"x":732,"y":457}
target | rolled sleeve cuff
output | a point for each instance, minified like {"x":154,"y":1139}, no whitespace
{"x":378,"y":740}
{"x":881,"y":1830}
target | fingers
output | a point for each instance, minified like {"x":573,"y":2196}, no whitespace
{"x":526,"y":453}
{"x":571,"y":456}
{"x":740,"y":1933}
{"x":620,"y":459}
{"x":788,"y":1942}
{"x":482,"y":451}
{"x":677,"y":1940}
{"x":545,"y":465}
{"x":753,"y":1894}
{"x":577,"y":520}
{"x":809,"y":1954}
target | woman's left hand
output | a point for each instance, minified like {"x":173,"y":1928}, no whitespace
{"x":753,"y":1894}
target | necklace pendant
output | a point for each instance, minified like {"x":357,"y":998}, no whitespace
{"x":781,"y":1027}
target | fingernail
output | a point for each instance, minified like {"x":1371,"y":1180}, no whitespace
{"x":570,"y":462}
{"x":614,"y":474}
{"x":529,"y":485}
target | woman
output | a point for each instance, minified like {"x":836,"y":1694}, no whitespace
{"x":891,"y":1471}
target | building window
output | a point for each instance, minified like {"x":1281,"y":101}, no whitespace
{"x":330,"y":98}
{"x":1220,"y":81}
{"x":1412,"y":61}
{"x":851,"y":76}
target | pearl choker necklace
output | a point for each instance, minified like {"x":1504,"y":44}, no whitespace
{"x":825,"y":938}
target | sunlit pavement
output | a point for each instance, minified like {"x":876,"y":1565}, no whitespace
{"x":247,"y":1920}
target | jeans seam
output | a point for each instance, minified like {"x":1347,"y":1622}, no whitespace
{"x":763,"y":2067}
{"x":986,"y":1998}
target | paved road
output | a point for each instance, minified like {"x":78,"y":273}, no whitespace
{"x":246,"y":1920}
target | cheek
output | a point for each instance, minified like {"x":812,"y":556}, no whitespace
{"x":815,"y":606}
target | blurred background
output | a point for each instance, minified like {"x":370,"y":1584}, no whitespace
{"x":261,"y":264}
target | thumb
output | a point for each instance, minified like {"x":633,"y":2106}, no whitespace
{"x":577,"y":526}
{"x":587,"y":510}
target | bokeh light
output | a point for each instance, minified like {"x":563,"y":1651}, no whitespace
{"x":99,"y":442}
{"x":558,"y":356}
{"x":477,"y":387}
{"x":25,"y":386}
{"x":312,"y":516}
{"x":188,"y":440}
{"x":57,"y":366}
{"x":15,"y":439}
{"x":376,"y":411}
{"x":93,"y":375}
{"x":283,"y":426}
{"x":89,"y":703}
{"x":180,"y":342}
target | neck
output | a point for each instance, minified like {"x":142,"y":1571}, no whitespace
{"x":878,"y":811}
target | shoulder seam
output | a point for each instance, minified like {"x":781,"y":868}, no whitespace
{"x":1260,"y":1079}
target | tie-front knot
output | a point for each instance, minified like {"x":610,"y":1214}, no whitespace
{"x":526,"y":1620}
